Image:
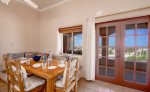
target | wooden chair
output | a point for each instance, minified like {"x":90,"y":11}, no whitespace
{"x":18,"y":80}
{"x":5,"y":62}
{"x":69,"y":80}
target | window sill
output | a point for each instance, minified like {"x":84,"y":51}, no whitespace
{"x":73,"y":55}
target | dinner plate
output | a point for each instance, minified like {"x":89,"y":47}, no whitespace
{"x":61,"y":65}
{"x":36,"y":65}
{"x":23,"y":61}
{"x":22,"y":58}
{"x":52,"y":67}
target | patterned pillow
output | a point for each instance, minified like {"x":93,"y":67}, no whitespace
{"x":29,"y":54}
{"x":15,"y":55}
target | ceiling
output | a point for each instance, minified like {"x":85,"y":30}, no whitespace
{"x":45,"y":3}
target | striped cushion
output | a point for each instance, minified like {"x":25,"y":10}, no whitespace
{"x":35,"y":82}
{"x":59,"y":83}
{"x":25,"y":78}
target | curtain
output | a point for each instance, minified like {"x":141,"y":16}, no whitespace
{"x":89,"y":49}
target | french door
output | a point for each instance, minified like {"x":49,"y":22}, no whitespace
{"x":107,"y":48}
{"x":123,"y":52}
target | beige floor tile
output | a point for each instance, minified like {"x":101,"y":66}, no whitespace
{"x":88,"y":90}
{"x":102,"y":89}
{"x":81,"y":89}
{"x":99,"y":86}
{"x":89,"y":86}
{"x":131,"y":90}
{"x":116,"y":88}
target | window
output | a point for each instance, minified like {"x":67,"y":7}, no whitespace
{"x":77,"y":43}
{"x":72,"y":40}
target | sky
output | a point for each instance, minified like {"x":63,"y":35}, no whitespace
{"x":129,"y":40}
{"x":141,"y":40}
{"x":78,"y":40}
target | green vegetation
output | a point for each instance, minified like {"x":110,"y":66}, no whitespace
{"x":141,"y":54}
{"x":110,"y":51}
{"x":131,"y":57}
{"x":142,"y":57}
{"x":138,"y":57}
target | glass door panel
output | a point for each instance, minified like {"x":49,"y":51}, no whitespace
{"x":103,"y":31}
{"x":129,"y":41}
{"x":107,"y":49}
{"x":102,"y":71}
{"x":102,"y":61}
{"x":129,"y":57}
{"x":111,"y":51}
{"x":128,"y":75}
{"x":142,"y":28}
{"x":129,"y":52}
{"x":141,"y":77}
{"x":136,"y":52}
{"x":141,"y":65}
{"x":110,"y":72}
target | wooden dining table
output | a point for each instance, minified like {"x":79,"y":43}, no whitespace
{"x":48,"y":74}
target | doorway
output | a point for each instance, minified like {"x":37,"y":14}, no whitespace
{"x":122,"y":52}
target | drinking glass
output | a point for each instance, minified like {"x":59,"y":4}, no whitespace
{"x":62,"y":61}
{"x":44,"y":65}
{"x":49,"y":58}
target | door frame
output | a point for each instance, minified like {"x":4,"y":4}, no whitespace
{"x":119,"y":80}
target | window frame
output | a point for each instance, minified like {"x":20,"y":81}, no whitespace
{"x":72,"y":30}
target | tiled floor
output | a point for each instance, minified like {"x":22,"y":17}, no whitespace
{"x":99,"y":86}
{"x":3,"y":86}
{"x":86,"y":86}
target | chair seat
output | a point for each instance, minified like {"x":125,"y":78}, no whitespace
{"x":35,"y":82}
{"x":59,"y":83}
{"x":60,"y":86}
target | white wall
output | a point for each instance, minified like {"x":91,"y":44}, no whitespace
{"x":24,"y":29}
{"x":19,"y":28}
{"x":75,"y":13}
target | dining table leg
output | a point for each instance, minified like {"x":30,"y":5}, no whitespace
{"x":50,"y":85}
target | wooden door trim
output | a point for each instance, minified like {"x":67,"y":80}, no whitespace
{"x":121,"y":80}
{"x":148,"y":68}
{"x":116,"y":78}
{"x":126,"y":19}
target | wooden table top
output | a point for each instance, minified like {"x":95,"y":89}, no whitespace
{"x":44,"y":73}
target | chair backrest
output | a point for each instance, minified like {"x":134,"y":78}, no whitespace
{"x":70,"y":73}
{"x":5,"y":57}
{"x":14,"y":76}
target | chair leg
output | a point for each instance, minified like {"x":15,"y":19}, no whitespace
{"x":75,"y":88}
{"x":44,"y":89}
